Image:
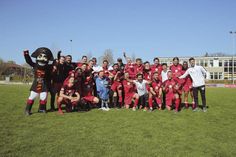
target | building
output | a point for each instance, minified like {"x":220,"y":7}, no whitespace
{"x":218,"y":68}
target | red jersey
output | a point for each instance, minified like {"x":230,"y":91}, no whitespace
{"x":88,"y":87}
{"x":176,"y":70}
{"x":130,"y":68}
{"x":170,"y":87}
{"x":156,"y":68}
{"x":119,"y":77}
{"x":79,"y":64}
{"x":138,"y":69}
{"x":147,"y":74}
{"x":156,"y":85}
{"x":187,"y":83}
{"x":128,"y":87}
{"x":69,"y":91}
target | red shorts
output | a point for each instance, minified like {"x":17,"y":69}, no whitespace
{"x":158,"y":100}
{"x":115,"y":86}
{"x":89,"y":98}
{"x":67,"y":102}
{"x":128,"y":98}
{"x":187,"y":87}
{"x":169,"y":99}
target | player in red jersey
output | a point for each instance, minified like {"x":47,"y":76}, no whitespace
{"x":156,"y":90}
{"x":129,"y":92}
{"x":176,"y":69}
{"x":84,"y":59}
{"x":147,"y":73}
{"x":156,"y":67}
{"x":87,"y":94}
{"x":105,"y":67}
{"x":116,"y":86}
{"x":130,"y":68}
{"x":172,"y":90}
{"x":139,"y":66}
{"x":68,"y":95}
{"x":187,"y":86}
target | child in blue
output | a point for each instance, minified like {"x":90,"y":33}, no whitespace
{"x":102,"y":84}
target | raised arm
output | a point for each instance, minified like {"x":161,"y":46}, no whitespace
{"x":28,"y":58}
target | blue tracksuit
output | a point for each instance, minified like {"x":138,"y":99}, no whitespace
{"x":102,"y":85}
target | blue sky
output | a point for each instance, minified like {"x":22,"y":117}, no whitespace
{"x":147,"y":28}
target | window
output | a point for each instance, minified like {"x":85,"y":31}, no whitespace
{"x":220,"y":63}
{"x":211,"y":63}
{"x":211,"y":76}
{"x":226,"y":63}
{"x":206,"y":63}
{"x":215,"y":75}
{"x":226,"y":69}
{"x":220,"y":75}
{"x":230,"y":62}
{"x":202,"y":62}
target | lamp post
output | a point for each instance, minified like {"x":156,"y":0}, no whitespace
{"x":234,"y":36}
{"x":71,"y":46}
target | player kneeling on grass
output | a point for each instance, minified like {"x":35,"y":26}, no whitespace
{"x":102,"y":84}
{"x":156,"y":90}
{"x":172,"y":90}
{"x":141,"y":86}
{"x":68,"y":95}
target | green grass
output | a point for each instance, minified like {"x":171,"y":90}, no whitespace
{"x":117,"y":132}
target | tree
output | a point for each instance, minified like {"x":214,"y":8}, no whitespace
{"x":3,"y":66}
{"x":133,"y":57}
{"x":107,"y":55}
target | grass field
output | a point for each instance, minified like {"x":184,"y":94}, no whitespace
{"x":118,"y":132}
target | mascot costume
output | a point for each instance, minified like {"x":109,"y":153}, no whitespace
{"x":42,"y":77}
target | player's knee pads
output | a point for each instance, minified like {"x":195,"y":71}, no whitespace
{"x":30,"y":102}
{"x":43,"y":102}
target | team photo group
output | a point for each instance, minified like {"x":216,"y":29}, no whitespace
{"x":137,"y":85}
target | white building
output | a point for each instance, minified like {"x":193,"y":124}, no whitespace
{"x":218,"y":68}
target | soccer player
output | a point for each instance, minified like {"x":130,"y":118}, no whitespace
{"x":171,"y":88}
{"x":187,"y":86}
{"x":147,"y":73}
{"x":69,"y":65}
{"x":87,"y":95}
{"x":139,"y":66}
{"x":116,"y":85}
{"x":58,"y":77}
{"x":156,"y":90}
{"x":84,"y":59}
{"x":105,"y":67}
{"x":68,"y":95}
{"x":156,"y":67}
{"x":176,"y":69}
{"x":130,"y":67}
{"x":198,"y":74}
{"x":129,"y":92}
{"x":141,"y":86}
{"x":164,"y":77}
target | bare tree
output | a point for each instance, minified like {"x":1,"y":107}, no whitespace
{"x":107,"y":55}
{"x":89,"y":55}
{"x":133,"y":57}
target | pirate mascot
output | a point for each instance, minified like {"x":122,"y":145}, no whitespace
{"x":42,"y":77}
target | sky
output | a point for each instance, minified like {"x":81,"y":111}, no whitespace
{"x":146,"y":28}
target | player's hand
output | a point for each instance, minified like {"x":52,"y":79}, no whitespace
{"x":25,"y":52}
